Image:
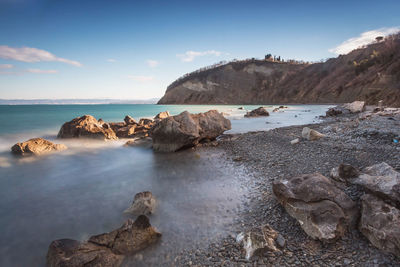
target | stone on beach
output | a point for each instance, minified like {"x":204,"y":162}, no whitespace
{"x":295,"y":141}
{"x":355,"y":107}
{"x":162,"y":115}
{"x":343,"y":172}
{"x":186,"y":130}
{"x":36,"y":146}
{"x":261,"y":111}
{"x":311,"y":134}
{"x":143,"y":203}
{"x":86,"y":127}
{"x":129,"y":120}
{"x":323,"y":210}
{"x":333,"y":112}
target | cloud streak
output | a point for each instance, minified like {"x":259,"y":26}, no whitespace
{"x":189,"y":56}
{"x":152,"y":63}
{"x":39,"y":71}
{"x":6,"y":66}
{"x":111,"y":60}
{"x":141,"y":78}
{"x":32,"y":55}
{"x":363,"y":39}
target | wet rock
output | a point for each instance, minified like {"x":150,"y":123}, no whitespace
{"x":107,"y":249}
{"x":143,"y":203}
{"x":333,"y":112}
{"x":126,"y":132}
{"x":355,"y":107}
{"x":344,"y":172}
{"x":36,"y":146}
{"x":257,"y":112}
{"x":186,"y":130}
{"x":86,"y":127}
{"x":241,"y":108}
{"x":129,"y":120}
{"x":380,"y":223}
{"x":258,"y":239}
{"x":323,"y":210}
{"x":162,"y":115}
{"x":311,"y":134}
{"x":145,"y":142}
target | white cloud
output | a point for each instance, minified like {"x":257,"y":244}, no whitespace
{"x":189,"y":56}
{"x":363,"y":39}
{"x":111,"y":60}
{"x":141,"y":78}
{"x":6,"y":66}
{"x":29,"y":54}
{"x":152,"y":63}
{"x":39,"y":71}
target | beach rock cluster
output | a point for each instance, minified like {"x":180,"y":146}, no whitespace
{"x":36,"y":146}
{"x":258,"y":112}
{"x":108,"y":249}
{"x":186,"y":130}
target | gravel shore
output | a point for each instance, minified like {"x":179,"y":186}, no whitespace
{"x":268,"y":156}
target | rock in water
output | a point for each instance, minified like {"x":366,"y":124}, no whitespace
{"x":86,"y":127}
{"x":129,"y":120}
{"x":323,"y":210}
{"x":257,"y":112}
{"x":36,"y":146}
{"x":258,"y":239}
{"x":145,"y":142}
{"x":127,"y":132}
{"x":333,"y":112}
{"x":380,"y":223}
{"x":355,"y":107}
{"x":162,"y":115}
{"x":186,"y":130}
{"x":311,"y":134}
{"x":143,"y":203}
{"x":107,"y":249}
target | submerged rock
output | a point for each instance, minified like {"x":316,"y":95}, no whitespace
{"x":311,"y":134}
{"x":259,"y":239}
{"x":145,"y":142}
{"x":355,"y":107}
{"x":323,"y":210}
{"x":86,"y":127}
{"x":143,"y":203}
{"x":106,"y":249}
{"x":186,"y":130}
{"x":380,"y":223}
{"x":261,"y":111}
{"x":36,"y":146}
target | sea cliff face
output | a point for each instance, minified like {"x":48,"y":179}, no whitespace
{"x":370,"y":74}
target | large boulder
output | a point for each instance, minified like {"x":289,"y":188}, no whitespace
{"x":36,"y":146}
{"x":86,"y":127}
{"x":106,"y":249}
{"x":261,"y":111}
{"x":380,"y":223}
{"x":355,"y":107}
{"x":186,"y":130}
{"x":143,"y":203}
{"x":323,"y":210}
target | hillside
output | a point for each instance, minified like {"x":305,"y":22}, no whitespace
{"x":371,"y":73}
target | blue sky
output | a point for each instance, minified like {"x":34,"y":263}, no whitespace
{"x":134,"y":49}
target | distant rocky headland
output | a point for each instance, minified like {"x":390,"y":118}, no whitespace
{"x":370,"y":73}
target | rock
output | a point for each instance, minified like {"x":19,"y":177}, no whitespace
{"x":311,"y":134}
{"x":381,"y":180}
{"x":186,"y":130}
{"x":127,"y":132}
{"x":145,"y":142}
{"x":258,"y":239}
{"x":107,"y":249}
{"x":323,"y":210}
{"x":115,"y":126}
{"x":380,"y":223}
{"x":257,"y":112}
{"x":162,"y":115}
{"x":355,"y":107}
{"x":143,"y":203}
{"x":86,"y":127}
{"x":36,"y":146}
{"x":295,"y":141}
{"x":241,"y":108}
{"x":146,"y":122}
{"x":129,"y":120}
{"x":333,"y":112}
{"x":344,"y":172}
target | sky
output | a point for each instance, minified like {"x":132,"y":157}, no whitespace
{"x":57,"y":49}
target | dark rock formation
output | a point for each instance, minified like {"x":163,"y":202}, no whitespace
{"x":323,"y":210}
{"x":127,"y":132}
{"x":257,"y":112}
{"x":185,"y":130}
{"x":143,"y":203}
{"x":129,"y":120}
{"x":36,"y":146}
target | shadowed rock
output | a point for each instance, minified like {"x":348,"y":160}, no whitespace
{"x":126,"y":132}
{"x":143,"y":203}
{"x":36,"y":146}
{"x":129,"y":120}
{"x":344,"y":172}
{"x":257,"y":112}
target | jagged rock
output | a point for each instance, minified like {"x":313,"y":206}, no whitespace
{"x":162,"y":115}
{"x":145,"y":142}
{"x":186,"y":130}
{"x":146,"y":122}
{"x":115,"y":126}
{"x":381,"y":180}
{"x":106,"y":249}
{"x":127,"y":132}
{"x":260,"y":239}
{"x":333,"y":112}
{"x":36,"y":146}
{"x":323,"y":210}
{"x":344,"y":172}
{"x":129,"y":120}
{"x":85,"y":127}
{"x":261,"y":111}
{"x":311,"y":134}
{"x":143,"y":203}
{"x":355,"y":107}
{"x":380,"y":223}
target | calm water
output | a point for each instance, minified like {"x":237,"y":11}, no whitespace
{"x":84,"y":190}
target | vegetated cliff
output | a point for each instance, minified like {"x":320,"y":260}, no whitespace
{"x":371,"y":73}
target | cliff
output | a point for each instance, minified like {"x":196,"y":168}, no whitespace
{"x":371,"y":73}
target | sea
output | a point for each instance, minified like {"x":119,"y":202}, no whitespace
{"x":84,"y":190}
